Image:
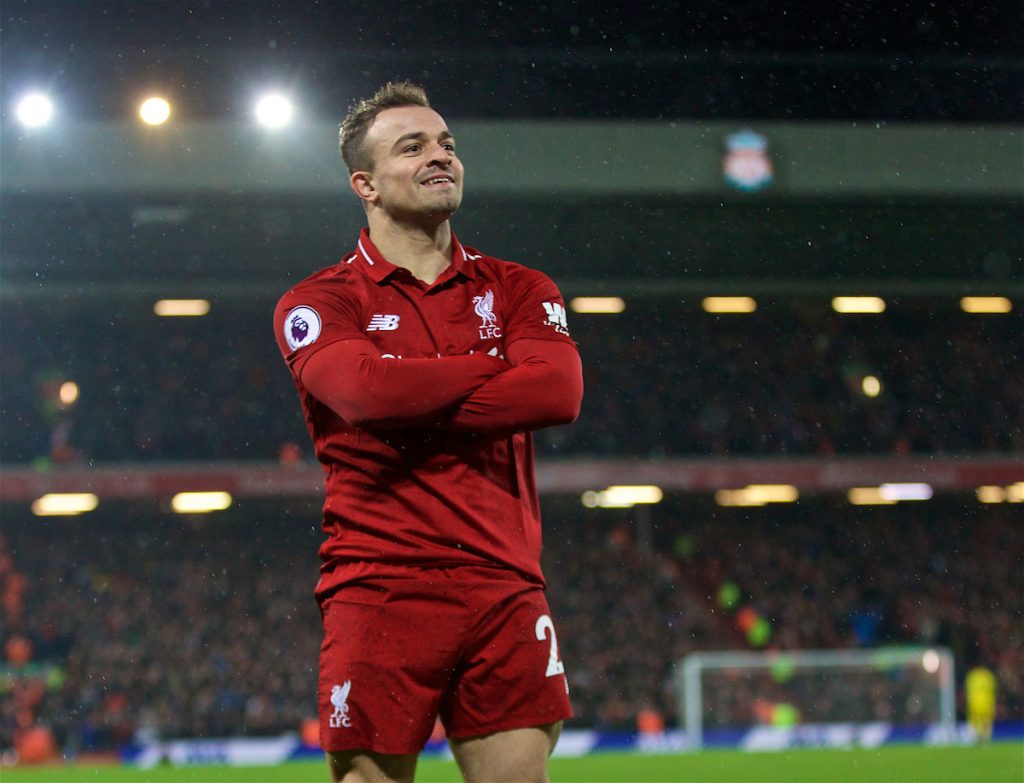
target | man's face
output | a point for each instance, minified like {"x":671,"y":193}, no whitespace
{"x":415,"y":169}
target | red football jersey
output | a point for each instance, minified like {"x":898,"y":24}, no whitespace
{"x":421,"y":493}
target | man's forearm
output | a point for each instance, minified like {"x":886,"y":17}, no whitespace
{"x":544,"y":388}
{"x":366,"y":390}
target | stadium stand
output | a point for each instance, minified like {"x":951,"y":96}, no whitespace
{"x":138,"y":624}
{"x":152,"y":388}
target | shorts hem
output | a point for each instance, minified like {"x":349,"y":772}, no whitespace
{"x":413,"y":750}
{"x":509,"y":725}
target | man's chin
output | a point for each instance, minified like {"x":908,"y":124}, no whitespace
{"x":435,"y":210}
{"x":445,"y":206}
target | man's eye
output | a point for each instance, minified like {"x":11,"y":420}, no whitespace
{"x":412,"y":148}
{"x":450,"y":147}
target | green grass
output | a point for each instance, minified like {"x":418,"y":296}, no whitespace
{"x":997,"y":763}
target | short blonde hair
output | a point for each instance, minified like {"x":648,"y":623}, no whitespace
{"x":352,"y":134}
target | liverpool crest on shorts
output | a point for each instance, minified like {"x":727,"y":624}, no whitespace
{"x":339,"y":699}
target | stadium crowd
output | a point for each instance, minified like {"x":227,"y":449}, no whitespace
{"x":131,"y":625}
{"x":663,"y":378}
{"x":836,"y":576}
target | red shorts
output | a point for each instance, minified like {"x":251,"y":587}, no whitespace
{"x":400,"y":650}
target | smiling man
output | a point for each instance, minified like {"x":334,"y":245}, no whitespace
{"x":422,"y":367}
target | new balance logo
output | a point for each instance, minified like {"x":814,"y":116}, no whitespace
{"x":556,"y":317}
{"x":383,"y":323}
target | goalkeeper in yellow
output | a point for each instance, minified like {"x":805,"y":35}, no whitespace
{"x":980,"y":689}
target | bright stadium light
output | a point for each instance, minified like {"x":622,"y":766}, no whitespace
{"x":200,"y":502}
{"x":773,"y":493}
{"x":154,"y":111}
{"x":66,"y":504}
{"x":593,"y":499}
{"x":729,"y":304}
{"x":274,"y":110}
{"x":181,"y":307}
{"x":986,"y":304}
{"x":641,"y":493}
{"x":622,"y":496}
{"x":871,"y":386}
{"x":1015,"y":493}
{"x":858,"y":304}
{"x":735,"y":497}
{"x":598,"y":304}
{"x":68,"y":392}
{"x":868,"y":496}
{"x":887,"y":494}
{"x":34,"y":110}
{"x":757,"y":495}
{"x":991,"y":494}
{"x":931,"y":661}
{"x":908,"y":491}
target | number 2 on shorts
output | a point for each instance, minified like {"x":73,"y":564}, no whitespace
{"x":545,"y":624}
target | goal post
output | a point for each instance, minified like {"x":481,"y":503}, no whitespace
{"x":898,"y":686}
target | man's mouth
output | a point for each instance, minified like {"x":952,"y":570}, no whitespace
{"x":440,"y":180}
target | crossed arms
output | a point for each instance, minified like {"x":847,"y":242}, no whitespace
{"x":540,"y":385}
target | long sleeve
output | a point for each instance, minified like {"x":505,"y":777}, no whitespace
{"x":353,"y":380}
{"x":543,"y":388}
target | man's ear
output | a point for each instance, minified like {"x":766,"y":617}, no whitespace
{"x":362,"y":185}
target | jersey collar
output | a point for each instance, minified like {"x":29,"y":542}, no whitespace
{"x":379,"y":268}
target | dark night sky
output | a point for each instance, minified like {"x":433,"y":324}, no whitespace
{"x":991,"y":27}
{"x":900,"y":61}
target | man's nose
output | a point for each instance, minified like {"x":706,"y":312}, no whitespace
{"x":441,"y":155}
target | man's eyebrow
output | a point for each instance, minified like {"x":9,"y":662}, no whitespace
{"x":420,"y":135}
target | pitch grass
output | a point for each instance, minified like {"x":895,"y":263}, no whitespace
{"x":997,"y":763}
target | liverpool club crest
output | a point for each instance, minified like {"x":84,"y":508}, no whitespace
{"x":483,"y":306}
{"x":747,"y":165}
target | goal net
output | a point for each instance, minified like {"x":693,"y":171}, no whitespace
{"x":855,"y":692}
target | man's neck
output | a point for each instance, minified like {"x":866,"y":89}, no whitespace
{"x":426,"y":251}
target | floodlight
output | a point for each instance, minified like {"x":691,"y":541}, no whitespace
{"x":757,"y":495}
{"x":644,"y":493}
{"x":858,"y":304}
{"x":985,"y":304}
{"x":1015,"y":493}
{"x":905,"y":491}
{"x":991,"y":494}
{"x":182,"y":307}
{"x":200,"y":502}
{"x":890,"y":493}
{"x":273,"y":110}
{"x":868,"y":496}
{"x":155,"y":111}
{"x":35,"y":110}
{"x":622,"y":496}
{"x":598,"y":304}
{"x":69,"y":392}
{"x":729,"y":304}
{"x":66,"y":504}
{"x":736,"y":497}
{"x":871,"y":386}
